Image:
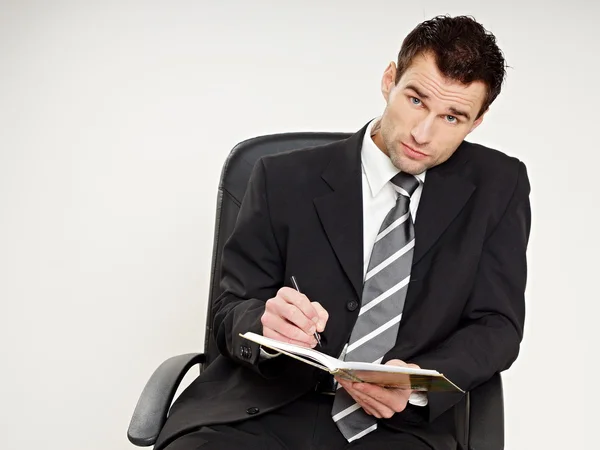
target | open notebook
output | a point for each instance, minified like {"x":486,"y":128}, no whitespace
{"x":380,"y":374}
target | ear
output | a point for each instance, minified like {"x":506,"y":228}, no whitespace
{"x":388,"y":81}
{"x":478,"y":121}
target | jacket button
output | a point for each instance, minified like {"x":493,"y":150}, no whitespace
{"x":352,"y":305}
{"x":245,"y":352}
{"x":253,"y":410}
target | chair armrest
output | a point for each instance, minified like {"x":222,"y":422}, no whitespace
{"x":486,"y":416}
{"x":153,"y":405}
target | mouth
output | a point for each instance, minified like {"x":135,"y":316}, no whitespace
{"x":412,"y":153}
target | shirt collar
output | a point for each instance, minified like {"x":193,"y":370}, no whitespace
{"x":377,"y":166}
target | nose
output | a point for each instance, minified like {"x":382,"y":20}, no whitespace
{"x":422,"y":131}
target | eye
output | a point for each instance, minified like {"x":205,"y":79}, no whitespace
{"x":451,"y":119}
{"x":415,"y":101}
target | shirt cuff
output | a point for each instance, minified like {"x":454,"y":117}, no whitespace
{"x":418,"y":399}
{"x":264,"y":354}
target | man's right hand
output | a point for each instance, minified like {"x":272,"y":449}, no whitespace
{"x":291,"y":317}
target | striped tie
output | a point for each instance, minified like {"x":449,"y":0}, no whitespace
{"x":384,"y":291}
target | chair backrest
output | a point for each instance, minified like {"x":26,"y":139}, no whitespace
{"x":232,"y":187}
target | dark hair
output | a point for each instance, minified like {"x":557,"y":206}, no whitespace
{"x":464,"y":51}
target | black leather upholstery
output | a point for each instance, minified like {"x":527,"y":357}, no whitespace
{"x":479,"y":417}
{"x":153,"y":405}
{"x":486,"y":416}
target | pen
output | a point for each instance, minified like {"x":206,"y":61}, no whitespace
{"x":295,"y":284}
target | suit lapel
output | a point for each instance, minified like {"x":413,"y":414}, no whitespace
{"x":445,"y":193}
{"x":340,"y":211}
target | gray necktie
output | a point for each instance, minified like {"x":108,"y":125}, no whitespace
{"x":384,"y":291}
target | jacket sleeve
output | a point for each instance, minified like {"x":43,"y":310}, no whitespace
{"x":252,"y":272}
{"x":489,"y":339}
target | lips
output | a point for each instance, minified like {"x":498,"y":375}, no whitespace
{"x":412,"y":153}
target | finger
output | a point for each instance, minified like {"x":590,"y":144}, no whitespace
{"x":394,"y":399}
{"x":279,"y":306}
{"x":287,"y":329}
{"x":379,"y":393}
{"x":352,"y":392}
{"x":366,"y":408}
{"x":294,"y":315}
{"x":396,"y":362}
{"x":381,"y":409}
{"x":400,"y":363}
{"x":367,"y":403}
{"x":270,"y":333}
{"x":301,"y":301}
{"x":323,"y":316}
{"x":370,"y":411}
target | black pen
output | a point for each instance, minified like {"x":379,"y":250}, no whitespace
{"x":295,"y":284}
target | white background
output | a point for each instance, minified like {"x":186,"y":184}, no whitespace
{"x":115,"y":120}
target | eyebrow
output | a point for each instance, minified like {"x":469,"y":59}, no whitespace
{"x":452,"y":109}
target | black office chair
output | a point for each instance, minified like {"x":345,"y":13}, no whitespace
{"x":479,"y":416}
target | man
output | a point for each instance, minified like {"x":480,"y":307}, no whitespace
{"x":408,"y":243}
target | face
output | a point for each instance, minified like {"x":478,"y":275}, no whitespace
{"x":426,"y":116}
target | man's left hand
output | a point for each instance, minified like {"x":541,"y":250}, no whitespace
{"x":378,"y":401}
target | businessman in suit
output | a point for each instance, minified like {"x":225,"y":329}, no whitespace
{"x":409,"y":245}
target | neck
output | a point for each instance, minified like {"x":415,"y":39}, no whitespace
{"x":376,"y":136}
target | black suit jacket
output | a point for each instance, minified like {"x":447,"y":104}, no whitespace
{"x":302,"y":216}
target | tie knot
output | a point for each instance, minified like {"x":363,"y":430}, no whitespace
{"x":406,"y":184}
